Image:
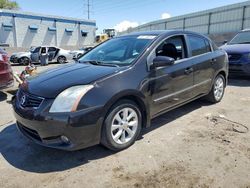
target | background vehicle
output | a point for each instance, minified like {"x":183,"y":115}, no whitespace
{"x":23,"y":58}
{"x":78,"y":53}
{"x":54,"y":54}
{"x":6,"y":74}
{"x":238,"y":50}
{"x":118,"y":87}
{"x":107,"y":34}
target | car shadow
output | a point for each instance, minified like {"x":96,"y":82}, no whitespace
{"x":175,"y":114}
{"x":3,"y":96}
{"x":27,"y":156}
{"x":239,"y":81}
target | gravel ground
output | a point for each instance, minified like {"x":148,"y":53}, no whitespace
{"x":197,"y":145}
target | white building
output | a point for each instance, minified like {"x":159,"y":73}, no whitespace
{"x":22,"y":29}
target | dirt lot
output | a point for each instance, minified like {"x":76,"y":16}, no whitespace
{"x":198,"y":145}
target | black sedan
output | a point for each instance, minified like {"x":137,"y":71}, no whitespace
{"x":118,"y":87}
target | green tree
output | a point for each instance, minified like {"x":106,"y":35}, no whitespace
{"x":8,"y":4}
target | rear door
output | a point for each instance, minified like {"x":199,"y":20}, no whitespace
{"x":203,"y":59}
{"x":172,"y":85}
{"x":52,"y":53}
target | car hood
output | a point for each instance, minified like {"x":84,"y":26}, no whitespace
{"x":22,"y":54}
{"x":236,"y":48}
{"x":49,"y":84}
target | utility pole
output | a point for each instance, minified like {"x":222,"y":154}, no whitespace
{"x":88,"y":5}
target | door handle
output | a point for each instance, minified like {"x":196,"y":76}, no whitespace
{"x":189,"y":70}
{"x":213,"y":60}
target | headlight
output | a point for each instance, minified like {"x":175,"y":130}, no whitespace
{"x":68,"y":100}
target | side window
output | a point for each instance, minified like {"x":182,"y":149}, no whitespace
{"x":51,"y":49}
{"x":215,"y":47}
{"x":173,"y":47}
{"x":36,"y":50}
{"x":208,"y":46}
{"x":198,"y":45}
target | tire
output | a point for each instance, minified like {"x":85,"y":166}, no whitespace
{"x":24,"y":61}
{"x":217,"y":92}
{"x":61,"y":59}
{"x":134,"y":124}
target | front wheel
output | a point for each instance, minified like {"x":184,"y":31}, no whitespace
{"x":122,"y":126}
{"x":24,"y":61}
{"x":218,"y":89}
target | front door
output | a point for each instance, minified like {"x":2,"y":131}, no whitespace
{"x":172,"y":85}
{"x":35,"y":54}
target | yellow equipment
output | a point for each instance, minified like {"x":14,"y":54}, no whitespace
{"x":107,"y":34}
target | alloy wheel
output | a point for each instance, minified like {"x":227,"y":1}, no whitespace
{"x":218,"y":88}
{"x":124,"y":125}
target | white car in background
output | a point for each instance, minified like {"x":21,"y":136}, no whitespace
{"x":55,"y":54}
{"x":78,"y":53}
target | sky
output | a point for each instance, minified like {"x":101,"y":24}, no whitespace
{"x":120,"y":14}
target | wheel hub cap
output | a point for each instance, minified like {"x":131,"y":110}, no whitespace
{"x":218,"y":88}
{"x":124,"y":125}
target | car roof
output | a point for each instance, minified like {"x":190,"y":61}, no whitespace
{"x":246,"y":30}
{"x":162,"y":32}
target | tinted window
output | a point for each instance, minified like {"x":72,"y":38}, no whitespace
{"x":215,"y":47}
{"x":36,"y":50}
{"x":208,"y":46}
{"x":198,"y":45}
{"x":241,"y":38}
{"x":172,"y":47}
{"x":51,"y":49}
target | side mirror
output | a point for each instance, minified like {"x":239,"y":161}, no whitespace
{"x":225,"y":42}
{"x":162,"y":61}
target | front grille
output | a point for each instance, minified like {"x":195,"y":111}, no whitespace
{"x":28,"y":100}
{"x":234,"y":57}
{"x":32,"y":133}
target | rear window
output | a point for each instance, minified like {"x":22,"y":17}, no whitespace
{"x":198,"y":45}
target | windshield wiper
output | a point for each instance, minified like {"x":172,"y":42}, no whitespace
{"x":101,"y":63}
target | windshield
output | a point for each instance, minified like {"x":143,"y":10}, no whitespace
{"x":118,"y":51}
{"x":241,"y":38}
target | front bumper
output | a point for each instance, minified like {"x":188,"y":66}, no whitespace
{"x":82,"y":128}
{"x":14,"y":59}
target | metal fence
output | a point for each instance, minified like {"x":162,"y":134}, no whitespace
{"x":231,"y":18}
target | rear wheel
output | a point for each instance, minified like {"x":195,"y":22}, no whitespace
{"x":61,"y":59}
{"x":122,"y":126}
{"x":24,"y":61}
{"x":218,"y":89}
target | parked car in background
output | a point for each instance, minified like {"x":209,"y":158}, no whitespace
{"x":23,"y":58}
{"x":238,"y":50}
{"x":114,"y":90}
{"x":78,"y":53}
{"x":6,"y":74}
{"x":55,"y":54}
